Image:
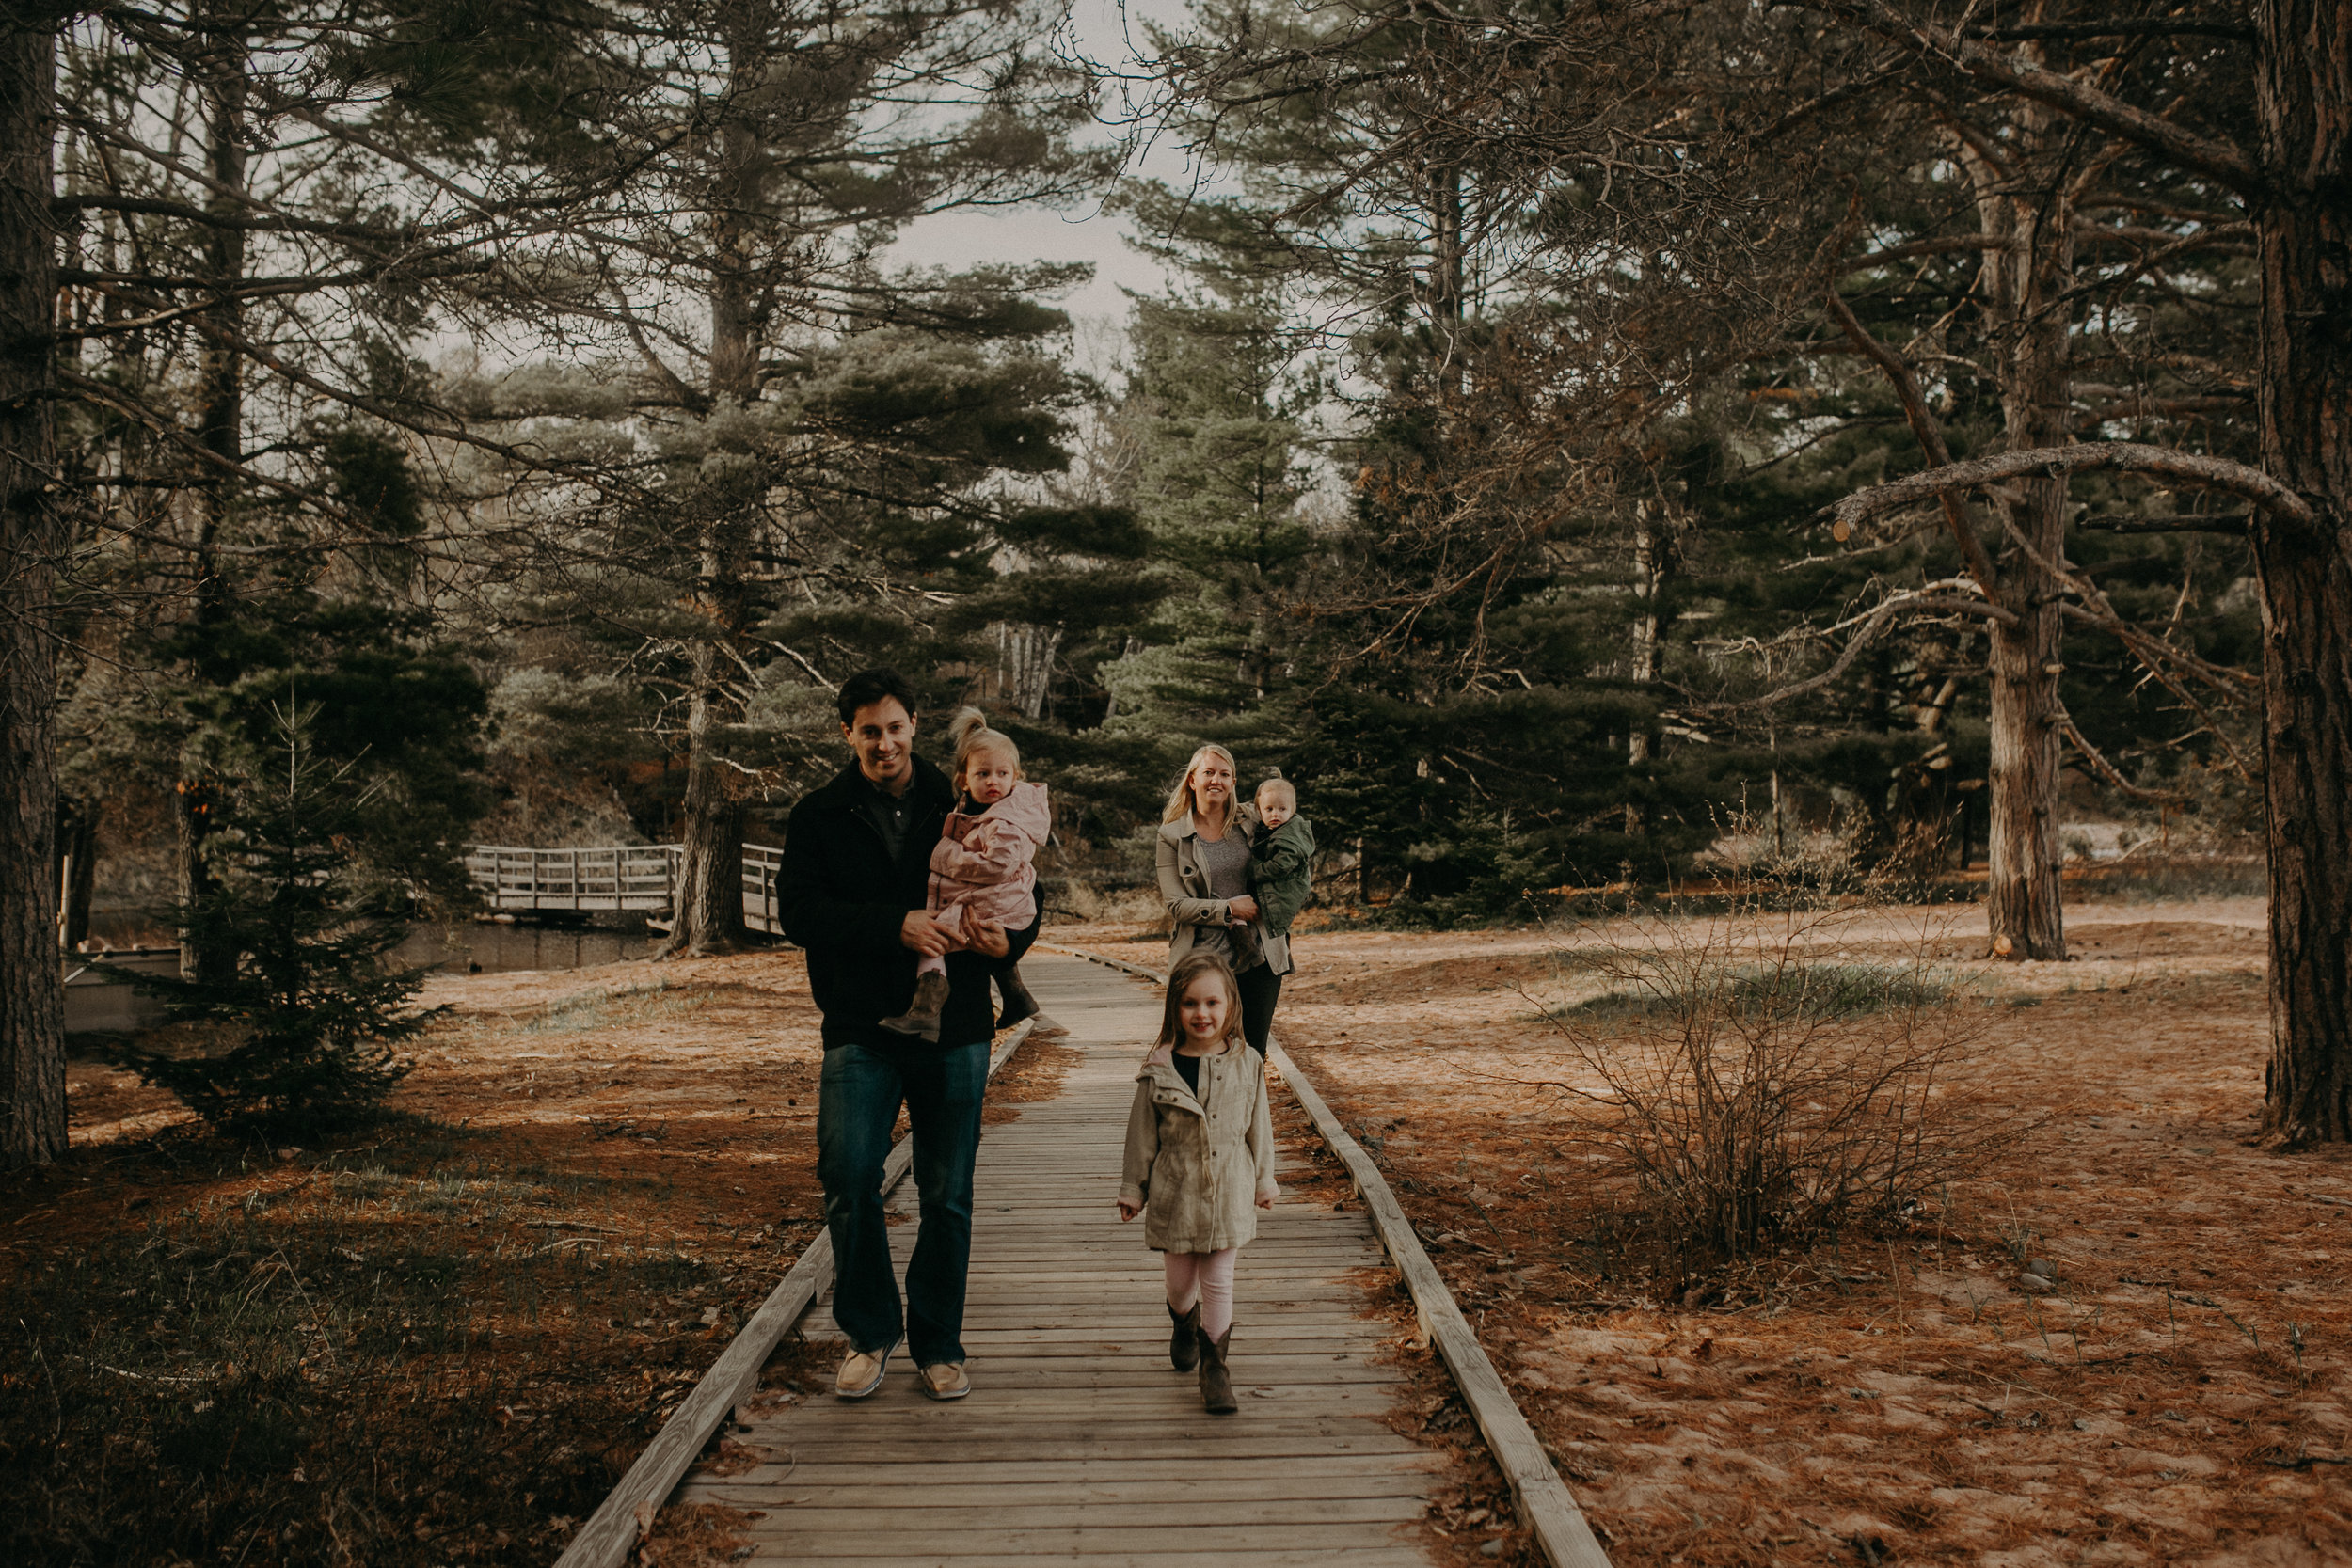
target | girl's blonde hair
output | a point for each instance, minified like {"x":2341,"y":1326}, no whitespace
{"x":1182,"y":802}
{"x":971,"y":735}
{"x":1180,"y":978}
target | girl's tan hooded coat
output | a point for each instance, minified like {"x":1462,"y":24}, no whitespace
{"x":1197,"y":1166}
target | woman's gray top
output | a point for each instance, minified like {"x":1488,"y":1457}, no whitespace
{"x":1226,"y":863}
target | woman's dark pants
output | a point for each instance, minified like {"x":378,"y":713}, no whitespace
{"x":858,"y":1101}
{"x":1261,"y":988}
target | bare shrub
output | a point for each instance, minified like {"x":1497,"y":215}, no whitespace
{"x":1763,"y":1079}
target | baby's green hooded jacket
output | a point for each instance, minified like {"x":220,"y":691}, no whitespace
{"x":1280,"y":863}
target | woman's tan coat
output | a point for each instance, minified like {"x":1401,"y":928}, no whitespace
{"x":1185,"y":888}
{"x":1198,"y":1166}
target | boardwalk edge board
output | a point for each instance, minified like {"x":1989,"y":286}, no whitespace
{"x":1545,"y":1504}
{"x":626,"y":1514}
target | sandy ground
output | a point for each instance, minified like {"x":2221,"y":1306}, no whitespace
{"x":661,"y":1112}
{"x":2177,"y":1395}
{"x":702,"y":1073}
{"x":598,"y":1175}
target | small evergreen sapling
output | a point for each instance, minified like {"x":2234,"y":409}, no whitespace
{"x":313,"y":1009}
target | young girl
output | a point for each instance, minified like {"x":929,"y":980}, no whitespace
{"x":980,"y":865}
{"x":1199,"y":1154}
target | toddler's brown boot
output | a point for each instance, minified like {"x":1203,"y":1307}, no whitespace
{"x":922,"y":1018}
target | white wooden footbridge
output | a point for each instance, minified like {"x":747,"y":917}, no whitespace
{"x":637,"y":876}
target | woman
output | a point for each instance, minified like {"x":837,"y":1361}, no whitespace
{"x":1205,"y":876}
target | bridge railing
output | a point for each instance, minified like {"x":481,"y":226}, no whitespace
{"x":629,"y":877}
{"x":761,"y":862}
{"x":632,"y":877}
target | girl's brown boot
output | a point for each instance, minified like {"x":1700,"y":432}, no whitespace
{"x":1217,"y":1387}
{"x":1183,"y":1341}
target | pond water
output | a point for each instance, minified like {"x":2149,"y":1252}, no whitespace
{"x":488,"y":946}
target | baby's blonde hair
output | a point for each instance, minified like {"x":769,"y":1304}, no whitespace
{"x":1280,"y":789}
{"x":969,"y":730}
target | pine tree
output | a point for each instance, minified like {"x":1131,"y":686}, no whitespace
{"x":311,"y":1012}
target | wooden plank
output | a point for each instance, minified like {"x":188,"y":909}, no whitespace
{"x":1244,"y":1543}
{"x":883,"y":1436}
{"x":1273,"y":1494}
{"x":809,"y":1520}
{"x":605,"y":1539}
{"x":1075,"y":1343}
{"x":1545,"y":1504}
{"x":1177,"y":1396}
{"x":1010,"y":1475}
{"x":1175,"y":1555}
{"x":1139,"y":1371}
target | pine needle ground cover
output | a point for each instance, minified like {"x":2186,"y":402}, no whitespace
{"x":2175,"y":1390}
{"x":439,"y":1341}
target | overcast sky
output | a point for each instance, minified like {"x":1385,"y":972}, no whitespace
{"x":1082,"y":234}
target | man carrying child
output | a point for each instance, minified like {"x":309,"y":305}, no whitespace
{"x":853,"y":894}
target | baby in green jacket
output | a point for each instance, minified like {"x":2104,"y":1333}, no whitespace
{"x":1281,"y":857}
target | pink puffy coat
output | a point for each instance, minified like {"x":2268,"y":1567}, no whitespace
{"x":980,"y":865}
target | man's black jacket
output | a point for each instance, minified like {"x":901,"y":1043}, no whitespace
{"x":842,"y":900}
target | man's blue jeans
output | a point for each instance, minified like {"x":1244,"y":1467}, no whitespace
{"x":858,"y":1100}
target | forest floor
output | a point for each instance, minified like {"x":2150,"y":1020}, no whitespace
{"x":2177,"y":1394}
{"x":443,"y":1341}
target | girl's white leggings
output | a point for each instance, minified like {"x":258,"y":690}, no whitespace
{"x":1208,"y":1278}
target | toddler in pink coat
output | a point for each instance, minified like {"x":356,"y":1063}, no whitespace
{"x":981,"y":866}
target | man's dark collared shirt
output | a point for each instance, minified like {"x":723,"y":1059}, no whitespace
{"x":889,"y":813}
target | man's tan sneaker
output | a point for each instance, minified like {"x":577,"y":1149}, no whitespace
{"x":944,"y":1380}
{"x":862,"y":1373}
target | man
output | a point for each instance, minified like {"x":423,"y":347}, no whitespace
{"x":856,"y":853}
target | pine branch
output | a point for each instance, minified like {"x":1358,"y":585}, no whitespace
{"x":2187,"y":469}
{"x":2219,"y":161}
{"x":2233,"y":523}
{"x":2107,"y":770}
{"x":1931,"y":439}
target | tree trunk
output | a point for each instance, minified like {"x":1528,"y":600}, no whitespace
{"x":1024,"y":664}
{"x":2305,"y":409}
{"x":1446,"y":283}
{"x":2021,"y":850}
{"x":32,"y":1001}
{"x":709,"y":902}
{"x":1653,"y":566}
{"x":220,"y":431}
{"x":77,"y":863}
{"x":194,"y":810}
{"x":2027,"y":272}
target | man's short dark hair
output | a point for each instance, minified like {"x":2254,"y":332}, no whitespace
{"x":869,"y":687}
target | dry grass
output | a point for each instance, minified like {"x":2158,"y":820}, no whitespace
{"x":440,"y":1343}
{"x":2180,"y":1393}
{"x":1755,"y":1082}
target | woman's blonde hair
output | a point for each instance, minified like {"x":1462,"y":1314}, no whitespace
{"x":1182,"y":802}
{"x":971,"y":735}
{"x":1180,"y":978}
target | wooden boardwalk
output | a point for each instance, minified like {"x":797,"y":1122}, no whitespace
{"x":1078,"y":1443}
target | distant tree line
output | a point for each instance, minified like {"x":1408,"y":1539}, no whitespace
{"x":1577,"y":432}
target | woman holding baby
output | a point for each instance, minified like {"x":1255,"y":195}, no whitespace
{"x":1233,"y":876}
